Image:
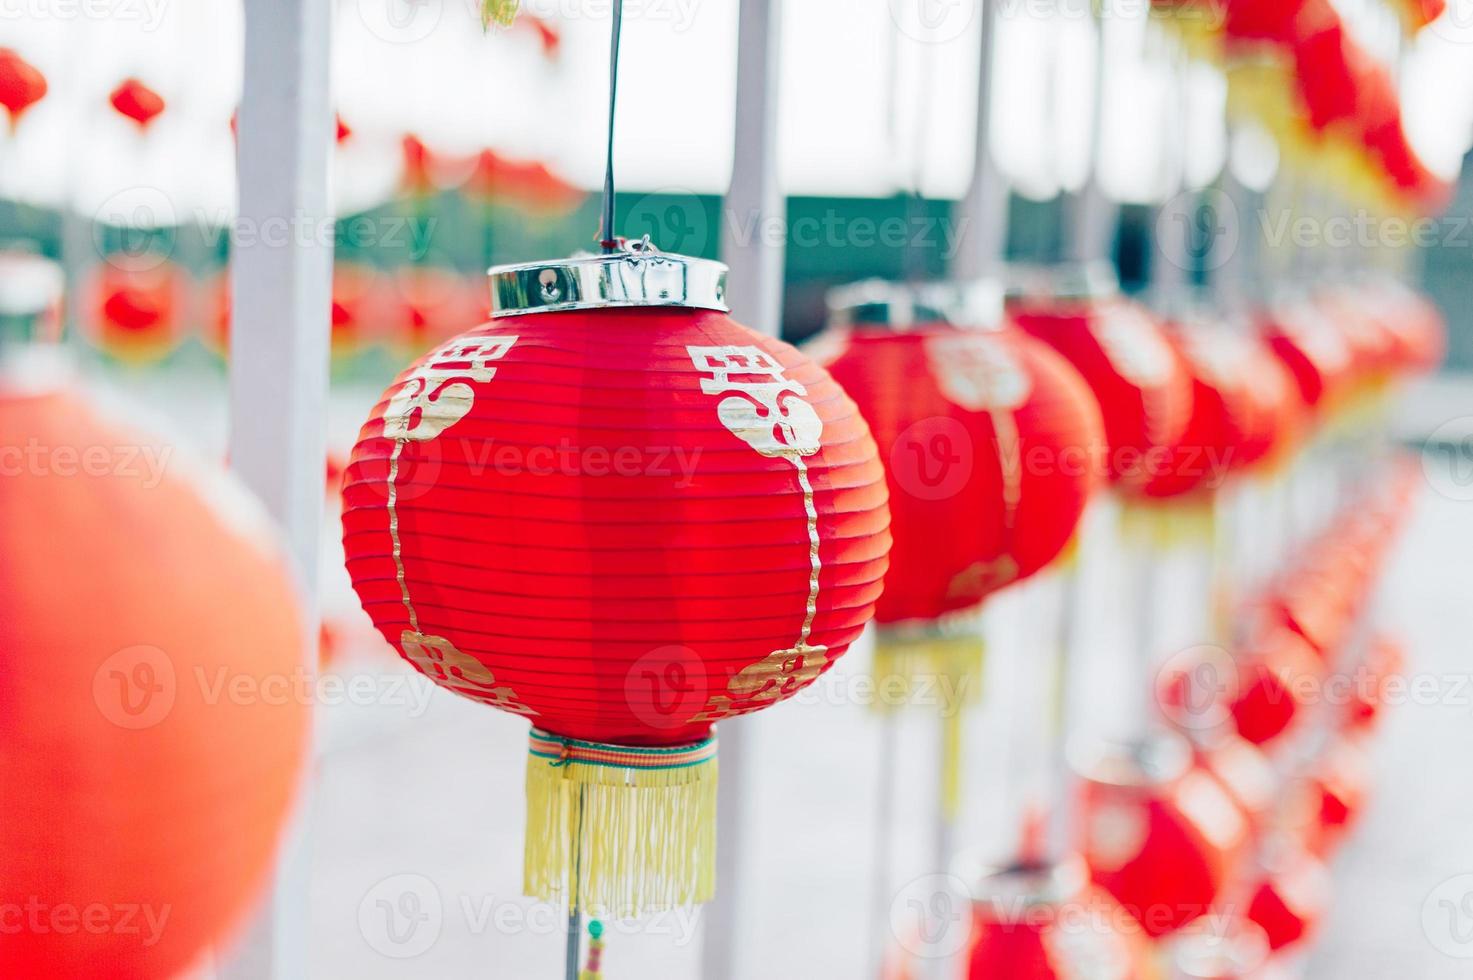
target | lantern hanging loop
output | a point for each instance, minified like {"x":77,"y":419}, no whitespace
{"x":607,"y":239}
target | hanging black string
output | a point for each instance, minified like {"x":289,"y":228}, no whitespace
{"x":607,"y":239}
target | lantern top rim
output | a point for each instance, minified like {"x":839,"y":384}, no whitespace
{"x":1031,"y":883}
{"x":636,"y":274}
{"x":901,"y":307}
{"x":1141,"y":763}
{"x":1063,"y":282}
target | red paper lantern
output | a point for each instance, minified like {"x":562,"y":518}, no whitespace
{"x":361,"y":307}
{"x":1048,"y":923}
{"x":137,"y":102}
{"x":135,"y":308}
{"x":434,"y":305}
{"x":1277,"y":674}
{"x":1158,"y":835}
{"x":1311,"y":347}
{"x":1327,"y":83}
{"x":1290,"y":899}
{"x":527,"y":184}
{"x":153,"y":732}
{"x":622,"y":515}
{"x":1223,"y":416}
{"x":1144,"y":393}
{"x":992,"y":441}
{"x":1335,"y":795}
{"x":21,"y":85}
{"x":1276,"y":419}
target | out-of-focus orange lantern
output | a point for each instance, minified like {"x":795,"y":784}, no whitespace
{"x":155,"y":721}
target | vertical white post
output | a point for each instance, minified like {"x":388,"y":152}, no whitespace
{"x":1093,"y":225}
{"x":281,"y":285}
{"x":983,"y":213}
{"x":755,"y":291}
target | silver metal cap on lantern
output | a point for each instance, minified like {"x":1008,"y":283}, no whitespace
{"x":904,"y":306}
{"x":636,"y":274}
{"x":1065,"y":282}
{"x":1155,"y":760}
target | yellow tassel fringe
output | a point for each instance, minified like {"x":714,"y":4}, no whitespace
{"x":944,"y":672}
{"x":620,"y":842}
{"x":502,"y":13}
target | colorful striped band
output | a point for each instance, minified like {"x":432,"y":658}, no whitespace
{"x":559,"y":751}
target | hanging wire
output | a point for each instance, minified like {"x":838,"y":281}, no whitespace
{"x":608,"y":241}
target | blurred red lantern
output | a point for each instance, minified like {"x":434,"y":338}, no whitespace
{"x":527,"y":184}
{"x":1385,"y":659}
{"x":135,"y":306}
{"x":1276,"y":21}
{"x":1047,"y":923}
{"x":361,"y":307}
{"x":1417,"y":327}
{"x":548,"y":36}
{"x":435,"y":305}
{"x":1311,"y":347}
{"x":1417,"y":14}
{"x":1278,"y":672}
{"x":1144,"y":393}
{"x":622,"y":515}
{"x":21,"y":85}
{"x":213,"y":312}
{"x":1327,"y":84}
{"x":992,"y":442}
{"x":419,"y":165}
{"x":1223,"y":416}
{"x":1158,"y":835}
{"x":1290,"y":898}
{"x":148,"y":754}
{"x":137,"y":102}
{"x":1276,"y":419}
{"x":1336,"y":793}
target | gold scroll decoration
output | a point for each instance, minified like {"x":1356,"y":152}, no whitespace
{"x":765,"y":409}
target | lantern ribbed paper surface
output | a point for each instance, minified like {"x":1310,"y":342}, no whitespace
{"x":625,"y":525}
{"x":154,"y":723}
{"x":993,"y":445}
{"x":1145,"y":394}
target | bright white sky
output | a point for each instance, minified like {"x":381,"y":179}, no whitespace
{"x":865,"y":86}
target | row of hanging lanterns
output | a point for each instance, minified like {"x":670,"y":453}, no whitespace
{"x":933,"y":447}
{"x":1296,"y":67}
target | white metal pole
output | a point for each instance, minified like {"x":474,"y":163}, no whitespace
{"x":1093,"y":226}
{"x":983,"y":214}
{"x":281,"y":285}
{"x":755,"y":291}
